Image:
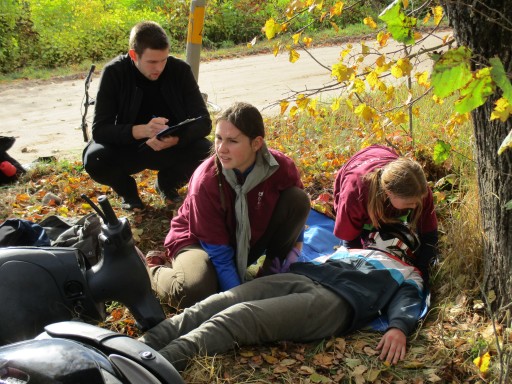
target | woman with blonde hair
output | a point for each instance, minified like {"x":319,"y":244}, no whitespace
{"x":378,"y":187}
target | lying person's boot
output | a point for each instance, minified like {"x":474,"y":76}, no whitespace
{"x":131,"y":204}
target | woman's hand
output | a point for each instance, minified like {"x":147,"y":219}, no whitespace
{"x":392,"y":346}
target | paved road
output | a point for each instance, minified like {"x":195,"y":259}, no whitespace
{"x":45,"y":117}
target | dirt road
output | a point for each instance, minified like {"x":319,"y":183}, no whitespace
{"x":45,"y":117}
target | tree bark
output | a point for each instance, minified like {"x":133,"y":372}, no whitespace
{"x":485,"y":27}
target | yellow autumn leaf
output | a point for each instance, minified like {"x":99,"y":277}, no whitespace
{"x":398,"y":118}
{"x":336,"y":9}
{"x":502,"y":111}
{"x":335,"y":105}
{"x":341,"y":72}
{"x":302,"y":101}
{"x":422,"y":79}
{"x":296,"y":38}
{"x":345,"y":52}
{"x":284,"y":106}
{"x":63,"y":211}
{"x":438,"y":14}
{"x":482,"y":362}
{"x":370,"y":22}
{"x":365,"y":112}
{"x":275,"y":49}
{"x":359,"y":86}
{"x":372,"y":78}
{"x":381,"y":61}
{"x":438,"y":100}
{"x":270,"y":28}
{"x":365,"y":50}
{"x":382,"y":38}
{"x":426,"y":19}
{"x":22,"y":197}
{"x":294,"y":56}
{"x":335,"y":26}
{"x":405,"y":3}
{"x":402,"y":68}
{"x":293,"y":110}
{"x":307,"y":41}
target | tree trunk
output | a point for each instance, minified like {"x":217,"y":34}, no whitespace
{"x":485,"y":27}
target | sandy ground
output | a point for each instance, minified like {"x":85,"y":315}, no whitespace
{"x":45,"y":117}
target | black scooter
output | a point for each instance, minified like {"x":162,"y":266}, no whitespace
{"x":43,"y":291}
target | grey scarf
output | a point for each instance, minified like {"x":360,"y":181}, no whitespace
{"x":264,"y":167}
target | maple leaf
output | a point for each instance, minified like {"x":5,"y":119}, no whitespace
{"x":341,"y":72}
{"x":366,"y":112}
{"x":451,"y":71}
{"x":399,"y":25}
{"x":476,"y":92}
{"x":402,"y":68}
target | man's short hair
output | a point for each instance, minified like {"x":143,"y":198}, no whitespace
{"x":148,"y":34}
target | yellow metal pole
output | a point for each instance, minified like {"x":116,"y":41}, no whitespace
{"x":195,"y":35}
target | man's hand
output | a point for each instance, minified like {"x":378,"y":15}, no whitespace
{"x":149,"y":130}
{"x":163,"y":143}
{"x":392,"y":346}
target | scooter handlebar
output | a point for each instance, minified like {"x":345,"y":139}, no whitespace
{"x":109,"y":215}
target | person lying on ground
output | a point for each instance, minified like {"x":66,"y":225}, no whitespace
{"x":331,"y":295}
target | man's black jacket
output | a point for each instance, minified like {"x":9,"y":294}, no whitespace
{"x":119,"y":99}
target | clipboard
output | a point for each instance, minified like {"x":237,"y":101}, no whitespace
{"x":177,"y":129}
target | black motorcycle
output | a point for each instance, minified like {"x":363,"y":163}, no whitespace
{"x":50,"y":295}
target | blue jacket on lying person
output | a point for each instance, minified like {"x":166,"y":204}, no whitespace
{"x":331,"y":295}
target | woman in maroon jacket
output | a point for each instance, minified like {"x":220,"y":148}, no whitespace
{"x":376,"y":186}
{"x":244,"y":201}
